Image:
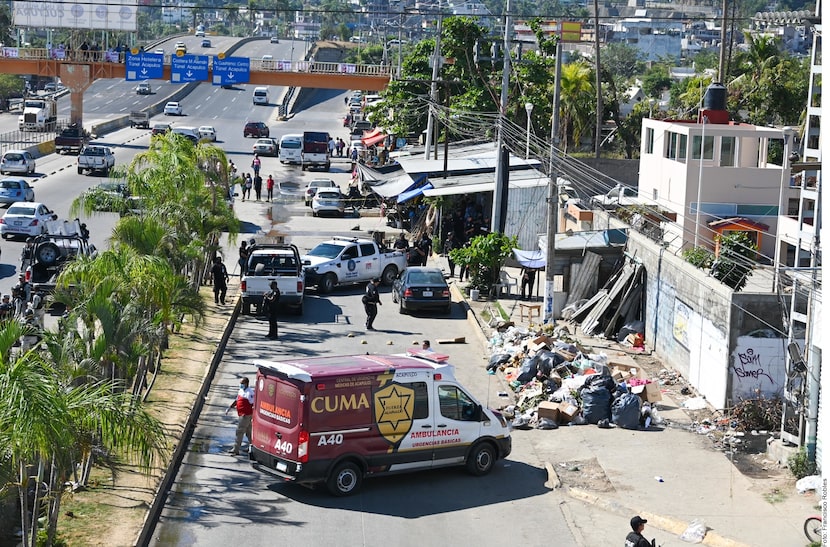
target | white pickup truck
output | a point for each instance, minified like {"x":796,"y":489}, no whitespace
{"x":95,"y":158}
{"x":350,"y":260}
{"x":273,"y":262}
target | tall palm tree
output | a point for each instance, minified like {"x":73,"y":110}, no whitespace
{"x":577,"y":102}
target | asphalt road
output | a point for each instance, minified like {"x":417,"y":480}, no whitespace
{"x":218,"y":498}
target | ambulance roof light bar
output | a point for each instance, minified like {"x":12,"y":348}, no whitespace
{"x":432,"y":356}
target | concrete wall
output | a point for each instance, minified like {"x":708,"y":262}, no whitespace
{"x":625,"y":171}
{"x":702,"y":329}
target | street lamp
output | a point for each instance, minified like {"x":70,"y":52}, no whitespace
{"x":528,"y":109}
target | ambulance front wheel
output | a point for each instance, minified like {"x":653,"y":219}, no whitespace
{"x":345,"y":479}
{"x":481,"y":460}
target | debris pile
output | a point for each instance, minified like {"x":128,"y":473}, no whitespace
{"x":557,"y":382}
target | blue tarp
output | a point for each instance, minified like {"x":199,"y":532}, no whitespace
{"x":409,"y":194}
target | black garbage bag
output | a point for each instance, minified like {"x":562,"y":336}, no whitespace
{"x":497,"y":359}
{"x":601,"y":380}
{"x":528,"y":371}
{"x":596,"y":404}
{"x":547,"y":361}
{"x":625,"y":411}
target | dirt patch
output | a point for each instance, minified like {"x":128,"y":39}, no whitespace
{"x":112,"y":511}
{"x":584,"y":474}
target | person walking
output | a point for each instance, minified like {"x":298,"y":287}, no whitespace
{"x":635,"y":537}
{"x":269,"y":186}
{"x":246,"y":189}
{"x":244,"y":254}
{"x":220,"y":280}
{"x":270,"y":305}
{"x":244,"y":405}
{"x":371,"y":301}
{"x":449,"y":245}
{"x":256,"y":164}
{"x":258,"y":186}
{"x":332,"y":146}
{"x":425,"y":247}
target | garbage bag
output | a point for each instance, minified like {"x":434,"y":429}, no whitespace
{"x":596,"y":404}
{"x":601,"y":380}
{"x":520,"y":422}
{"x":497,"y":359}
{"x":528,"y":371}
{"x":812,"y":482}
{"x":695,"y":532}
{"x":625,"y":411}
{"x":632,"y":327}
{"x":546,"y":361}
{"x":546,"y":423}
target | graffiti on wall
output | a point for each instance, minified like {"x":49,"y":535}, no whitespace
{"x":758,"y":367}
{"x":680,"y":325}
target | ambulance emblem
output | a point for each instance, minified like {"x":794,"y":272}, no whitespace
{"x":394,"y":405}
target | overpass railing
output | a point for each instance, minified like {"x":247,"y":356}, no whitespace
{"x":262,"y":65}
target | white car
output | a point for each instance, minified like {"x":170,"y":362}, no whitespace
{"x":200,"y":33}
{"x":618,"y":196}
{"x":17,"y":161}
{"x":25,"y":219}
{"x":173,"y":109}
{"x":207,"y":132}
{"x":159,"y":51}
{"x":265,"y":147}
{"x":275,"y":40}
{"x":328,"y":201}
{"x":180,"y":45}
{"x":315,"y":185}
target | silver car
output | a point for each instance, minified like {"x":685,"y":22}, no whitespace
{"x":12,"y":190}
{"x":328,"y":201}
{"x":17,"y":161}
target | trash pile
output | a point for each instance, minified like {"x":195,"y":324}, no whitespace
{"x":557,"y":383}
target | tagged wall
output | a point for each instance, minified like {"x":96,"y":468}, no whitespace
{"x":757,"y":367}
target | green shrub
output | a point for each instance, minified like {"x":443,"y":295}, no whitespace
{"x":800,"y":465}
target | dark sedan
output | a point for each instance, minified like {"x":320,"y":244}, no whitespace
{"x":419,"y":288}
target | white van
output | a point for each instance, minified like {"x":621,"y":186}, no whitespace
{"x":291,"y":149}
{"x":261,"y":95}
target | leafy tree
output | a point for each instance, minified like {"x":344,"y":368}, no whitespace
{"x":577,"y":103}
{"x":622,"y":60}
{"x":699,"y":257}
{"x":11,"y":85}
{"x":656,"y":79}
{"x":734,"y":263}
{"x":485,"y":256}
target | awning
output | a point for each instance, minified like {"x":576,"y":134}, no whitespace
{"x":397,"y":185}
{"x":406,"y":196}
{"x":461,"y":189}
{"x":373,"y":140}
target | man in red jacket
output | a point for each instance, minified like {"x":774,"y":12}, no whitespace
{"x":244,"y":405}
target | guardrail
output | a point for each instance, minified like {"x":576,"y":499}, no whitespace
{"x":262,"y":65}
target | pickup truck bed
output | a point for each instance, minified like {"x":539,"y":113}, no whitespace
{"x":276,"y":262}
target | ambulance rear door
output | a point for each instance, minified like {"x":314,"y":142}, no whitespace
{"x":278,"y":415}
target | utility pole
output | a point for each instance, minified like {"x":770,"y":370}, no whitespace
{"x":433,"y":88}
{"x":553,"y":191}
{"x":722,"y":57}
{"x":598,"y":138}
{"x":499,"y":217}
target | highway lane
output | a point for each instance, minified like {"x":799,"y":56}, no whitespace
{"x":218,"y":498}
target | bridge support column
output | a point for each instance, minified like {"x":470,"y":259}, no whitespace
{"x":77,"y":77}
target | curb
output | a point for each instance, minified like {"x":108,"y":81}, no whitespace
{"x":167,"y":480}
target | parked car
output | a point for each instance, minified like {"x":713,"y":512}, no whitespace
{"x":328,"y":201}
{"x":420,"y":288}
{"x":207,"y":132}
{"x":12,"y":190}
{"x":265,"y":147}
{"x":161,"y":128}
{"x":173,"y":109}
{"x":256,"y":129}
{"x":24,"y":218}
{"x":143,"y":88}
{"x":315,"y":185}
{"x":17,"y":161}
{"x":618,"y":196}
{"x":205,"y":43}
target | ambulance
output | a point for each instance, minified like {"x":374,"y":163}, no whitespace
{"x":337,"y":420}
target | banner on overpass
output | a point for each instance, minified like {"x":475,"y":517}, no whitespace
{"x":231,"y":70}
{"x":188,"y":68}
{"x":88,"y":14}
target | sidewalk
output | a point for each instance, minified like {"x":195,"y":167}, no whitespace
{"x":612,"y":475}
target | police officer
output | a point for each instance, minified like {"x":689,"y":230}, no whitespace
{"x":270,"y":305}
{"x":371,"y":301}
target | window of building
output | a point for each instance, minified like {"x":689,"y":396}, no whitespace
{"x":671,"y":151}
{"x":708,"y":147}
{"x":649,"y":140}
{"x":727,"y":152}
{"x":677,"y":146}
{"x":456,"y":405}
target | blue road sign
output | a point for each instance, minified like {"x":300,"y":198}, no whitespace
{"x":144,"y":66}
{"x":188,"y":68}
{"x":231,"y":70}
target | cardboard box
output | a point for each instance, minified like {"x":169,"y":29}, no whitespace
{"x":626,"y":371}
{"x":539,"y":343}
{"x":567,"y":355}
{"x":548,"y":410}
{"x":567,"y":411}
{"x":648,"y":392}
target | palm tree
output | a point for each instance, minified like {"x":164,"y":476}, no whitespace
{"x":577,"y":102}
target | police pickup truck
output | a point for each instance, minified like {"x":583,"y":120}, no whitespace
{"x":350,"y":260}
{"x":273,"y":262}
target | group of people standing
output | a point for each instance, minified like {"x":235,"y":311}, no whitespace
{"x":26,"y":305}
{"x":249,"y":182}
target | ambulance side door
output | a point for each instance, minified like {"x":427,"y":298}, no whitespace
{"x":457,"y":424}
{"x":414,"y":449}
